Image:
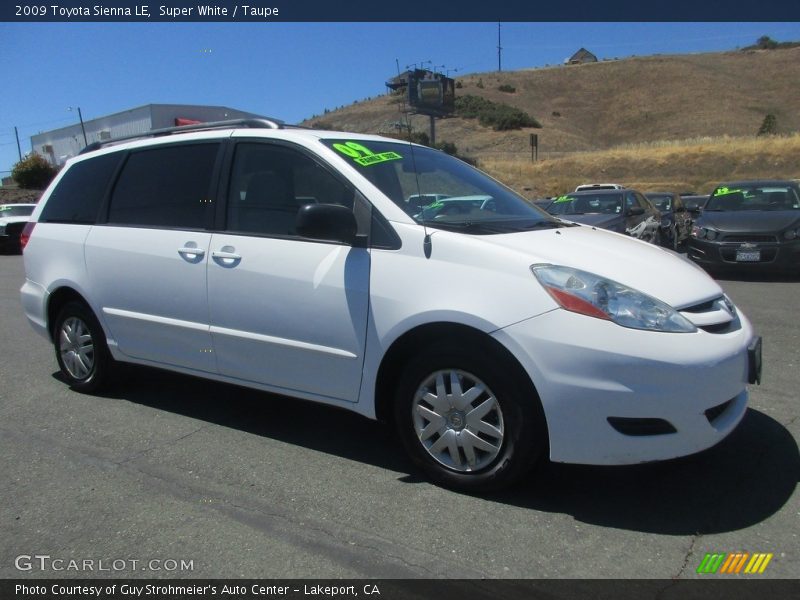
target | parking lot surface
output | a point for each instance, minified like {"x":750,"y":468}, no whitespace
{"x":214,"y":480}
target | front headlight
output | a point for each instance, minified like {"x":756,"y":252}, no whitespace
{"x":704,"y":232}
{"x":595,"y":296}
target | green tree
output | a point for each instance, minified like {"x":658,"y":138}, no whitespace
{"x":33,"y":172}
{"x":769,"y":126}
{"x":766,"y":43}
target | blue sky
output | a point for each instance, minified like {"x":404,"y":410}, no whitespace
{"x":290,"y":71}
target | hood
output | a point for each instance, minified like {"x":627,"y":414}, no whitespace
{"x":657,"y":272}
{"x":614,"y":222}
{"x":749,"y":221}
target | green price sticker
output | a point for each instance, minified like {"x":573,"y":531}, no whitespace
{"x":363,"y":155}
{"x":563,"y":199}
{"x":723,"y":191}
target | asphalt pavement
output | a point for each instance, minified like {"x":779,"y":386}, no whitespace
{"x":171,"y":476}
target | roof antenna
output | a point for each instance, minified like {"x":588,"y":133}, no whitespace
{"x":427,"y":247}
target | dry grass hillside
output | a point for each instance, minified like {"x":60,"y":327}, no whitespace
{"x":605,"y":104}
{"x":679,"y":122}
{"x":693,"y":165}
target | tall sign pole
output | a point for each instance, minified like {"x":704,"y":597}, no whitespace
{"x":499,"y":49}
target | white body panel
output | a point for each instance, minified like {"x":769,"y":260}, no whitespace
{"x":315,"y":320}
{"x":153,"y":299}
{"x":290,"y":314}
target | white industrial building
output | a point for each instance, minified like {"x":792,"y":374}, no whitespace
{"x":60,"y":144}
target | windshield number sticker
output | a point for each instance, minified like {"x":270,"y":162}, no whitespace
{"x":723,"y":191}
{"x":563,"y":199}
{"x":364,"y":156}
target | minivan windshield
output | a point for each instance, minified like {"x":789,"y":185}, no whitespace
{"x":753,"y":197}
{"x":439,"y":190}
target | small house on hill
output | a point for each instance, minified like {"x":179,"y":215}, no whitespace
{"x":581,"y":56}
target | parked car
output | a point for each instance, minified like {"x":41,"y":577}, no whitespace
{"x":749,"y":224}
{"x":623,"y":211}
{"x":489,"y":340}
{"x":676,"y":221}
{"x":599,"y":186}
{"x":12,"y":220}
{"x":693,"y":204}
{"x":543,"y":203}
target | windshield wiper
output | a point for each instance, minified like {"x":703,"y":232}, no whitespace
{"x":547,"y":224}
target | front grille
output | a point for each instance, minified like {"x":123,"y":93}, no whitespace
{"x":713,"y":316}
{"x":713,"y":413}
{"x":718,"y":328}
{"x":750,"y":237}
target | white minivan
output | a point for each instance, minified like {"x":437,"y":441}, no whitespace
{"x":294,"y":261}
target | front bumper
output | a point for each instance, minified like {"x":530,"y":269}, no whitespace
{"x":773,"y":255}
{"x":588,"y":371}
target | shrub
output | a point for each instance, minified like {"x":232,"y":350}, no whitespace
{"x":480,"y":83}
{"x":769,"y":126}
{"x":500,"y":117}
{"x":766,"y":43}
{"x":33,"y":172}
{"x":509,"y":89}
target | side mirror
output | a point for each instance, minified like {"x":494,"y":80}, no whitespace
{"x":695,"y":210}
{"x":329,"y":222}
{"x":635,"y":211}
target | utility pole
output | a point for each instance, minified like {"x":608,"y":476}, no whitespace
{"x":499,"y":49}
{"x":19,"y":150}
{"x":83,"y":129}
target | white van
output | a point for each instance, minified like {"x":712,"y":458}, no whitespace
{"x":290,"y":260}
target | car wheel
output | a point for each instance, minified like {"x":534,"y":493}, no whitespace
{"x":467,"y":421}
{"x":81,"y":349}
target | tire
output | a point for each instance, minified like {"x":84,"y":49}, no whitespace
{"x":487,"y":443}
{"x":81,"y":350}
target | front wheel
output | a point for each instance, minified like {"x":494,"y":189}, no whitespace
{"x":81,"y":349}
{"x":467,"y":420}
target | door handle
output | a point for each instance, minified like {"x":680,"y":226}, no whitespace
{"x":226,"y":257}
{"x":191,"y":253}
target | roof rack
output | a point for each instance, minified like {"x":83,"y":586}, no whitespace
{"x":259,"y":123}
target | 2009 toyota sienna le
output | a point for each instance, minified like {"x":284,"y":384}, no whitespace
{"x":311,"y":264}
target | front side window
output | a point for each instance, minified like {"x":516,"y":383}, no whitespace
{"x":165,"y":187}
{"x":439,"y":190}
{"x":269,"y":184}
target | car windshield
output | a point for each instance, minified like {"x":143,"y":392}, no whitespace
{"x":439,"y":190}
{"x":754,"y":197}
{"x":16,"y":211}
{"x":662,"y":202}
{"x":580,"y":204}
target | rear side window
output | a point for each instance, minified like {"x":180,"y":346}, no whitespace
{"x":77,"y":197}
{"x":165,"y":187}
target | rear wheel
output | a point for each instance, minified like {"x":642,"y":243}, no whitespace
{"x":81,"y":349}
{"x":467,"y":420}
